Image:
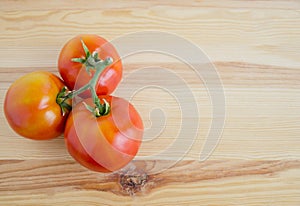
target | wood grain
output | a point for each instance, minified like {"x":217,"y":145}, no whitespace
{"x":254,"y":46}
{"x":190,"y":182}
{"x":261,"y":119}
{"x":264,"y":32}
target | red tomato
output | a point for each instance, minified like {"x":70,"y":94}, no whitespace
{"x":106,"y":143}
{"x":74,"y":73}
{"x":30,"y":106}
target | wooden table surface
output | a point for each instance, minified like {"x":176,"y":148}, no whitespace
{"x":255,"y":48}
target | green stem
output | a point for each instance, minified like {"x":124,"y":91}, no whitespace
{"x":77,"y":92}
{"x":99,"y":66}
{"x":91,"y":62}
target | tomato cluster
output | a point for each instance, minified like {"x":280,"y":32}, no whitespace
{"x":102,"y":132}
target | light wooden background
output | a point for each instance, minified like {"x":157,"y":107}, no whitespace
{"x":255,"y":46}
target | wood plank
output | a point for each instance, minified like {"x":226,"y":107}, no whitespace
{"x":189,"y":182}
{"x":264,"y":32}
{"x":262,"y":120}
{"x":11,"y":5}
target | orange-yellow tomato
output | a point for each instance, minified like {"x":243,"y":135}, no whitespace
{"x":105,"y":143}
{"x":30,"y":106}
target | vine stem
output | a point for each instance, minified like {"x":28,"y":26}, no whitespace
{"x":91,"y":62}
{"x":99,"y":66}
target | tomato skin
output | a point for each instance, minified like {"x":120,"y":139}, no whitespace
{"x":74,"y":73}
{"x":106,"y":143}
{"x":30,"y":106}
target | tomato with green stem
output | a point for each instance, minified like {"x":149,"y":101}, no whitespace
{"x":33,"y":108}
{"x":108,"y":142}
{"x":74,"y":61}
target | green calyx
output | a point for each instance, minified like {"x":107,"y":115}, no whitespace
{"x":63,"y":102}
{"x":99,"y":110}
{"x":91,"y":62}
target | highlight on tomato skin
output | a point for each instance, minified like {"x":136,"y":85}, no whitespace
{"x":74,"y":74}
{"x":30,"y":106}
{"x":106,"y":143}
